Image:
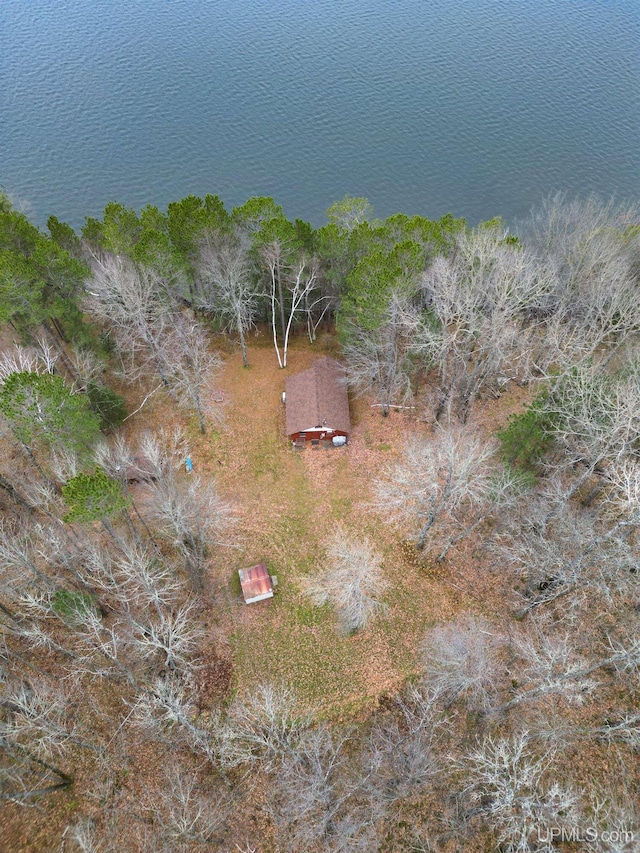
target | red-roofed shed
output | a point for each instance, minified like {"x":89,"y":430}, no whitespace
{"x":256,"y":583}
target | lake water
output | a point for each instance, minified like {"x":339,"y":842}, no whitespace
{"x":477,"y":107}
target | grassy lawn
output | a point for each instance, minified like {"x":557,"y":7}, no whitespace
{"x":288,"y":502}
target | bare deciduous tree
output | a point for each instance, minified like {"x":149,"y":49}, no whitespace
{"x":507,"y":786}
{"x":263,"y":726}
{"x":35,"y":733}
{"x":20,"y":560}
{"x":596,"y":420}
{"x":132,"y":301}
{"x":479,"y":328}
{"x":38,"y":359}
{"x":193,"y":515}
{"x":274,"y":257}
{"x":309,"y":789}
{"x":401,"y":757}
{"x":166,"y":709}
{"x":378,"y":359}
{"x":300,"y":284}
{"x":113,"y":635}
{"x":37,"y":718}
{"x":187,"y":813}
{"x":586,"y":244}
{"x":549,"y":663}
{"x":351,"y":581}
{"x":614,"y":819}
{"x":580,"y":556}
{"x":316,"y":310}
{"x":435,"y":480}
{"x":143,"y":580}
{"x":189,"y":366}
{"x":559,"y":670}
{"x":290,"y":280}
{"x":229,"y":291}
{"x":136,"y":303}
{"x":461,"y":659}
{"x":171,"y":640}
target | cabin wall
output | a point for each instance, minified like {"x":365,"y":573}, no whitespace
{"x":319,"y":434}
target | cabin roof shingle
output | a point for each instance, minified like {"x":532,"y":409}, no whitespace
{"x":318,"y":397}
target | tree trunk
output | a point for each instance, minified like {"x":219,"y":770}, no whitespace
{"x":9,"y":613}
{"x":423,"y":534}
{"x":201,"y":421}
{"x":56,"y":338}
{"x":15,"y":494}
{"x":132,"y":527}
{"x":111,"y":531}
{"x":143,"y":522}
{"x":280,"y":299}
{"x":35,"y":463}
{"x":431,"y":520}
{"x":273,"y":316}
{"x":193,"y":563}
{"x":243,"y":343}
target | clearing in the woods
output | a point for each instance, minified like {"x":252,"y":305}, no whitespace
{"x":287,"y":503}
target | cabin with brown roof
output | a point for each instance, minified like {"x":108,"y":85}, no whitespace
{"x":317,"y":405}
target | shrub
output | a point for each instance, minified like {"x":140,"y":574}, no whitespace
{"x":92,"y":497}
{"x":109,"y":406}
{"x":527,"y":436}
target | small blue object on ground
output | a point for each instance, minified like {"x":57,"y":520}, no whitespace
{"x":189,"y":465}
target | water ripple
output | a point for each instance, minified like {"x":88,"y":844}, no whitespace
{"x":474,"y":106}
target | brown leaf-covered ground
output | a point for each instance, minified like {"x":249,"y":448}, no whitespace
{"x":286,"y":504}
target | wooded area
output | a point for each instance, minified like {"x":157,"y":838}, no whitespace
{"x":451,"y":660}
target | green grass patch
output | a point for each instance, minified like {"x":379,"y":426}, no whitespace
{"x":73,"y":607}
{"x":317,"y":662}
{"x":292,"y":528}
{"x":308,"y":614}
{"x":265,"y":457}
{"x":341,"y":506}
{"x":295,"y":546}
{"x":234,"y":584}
